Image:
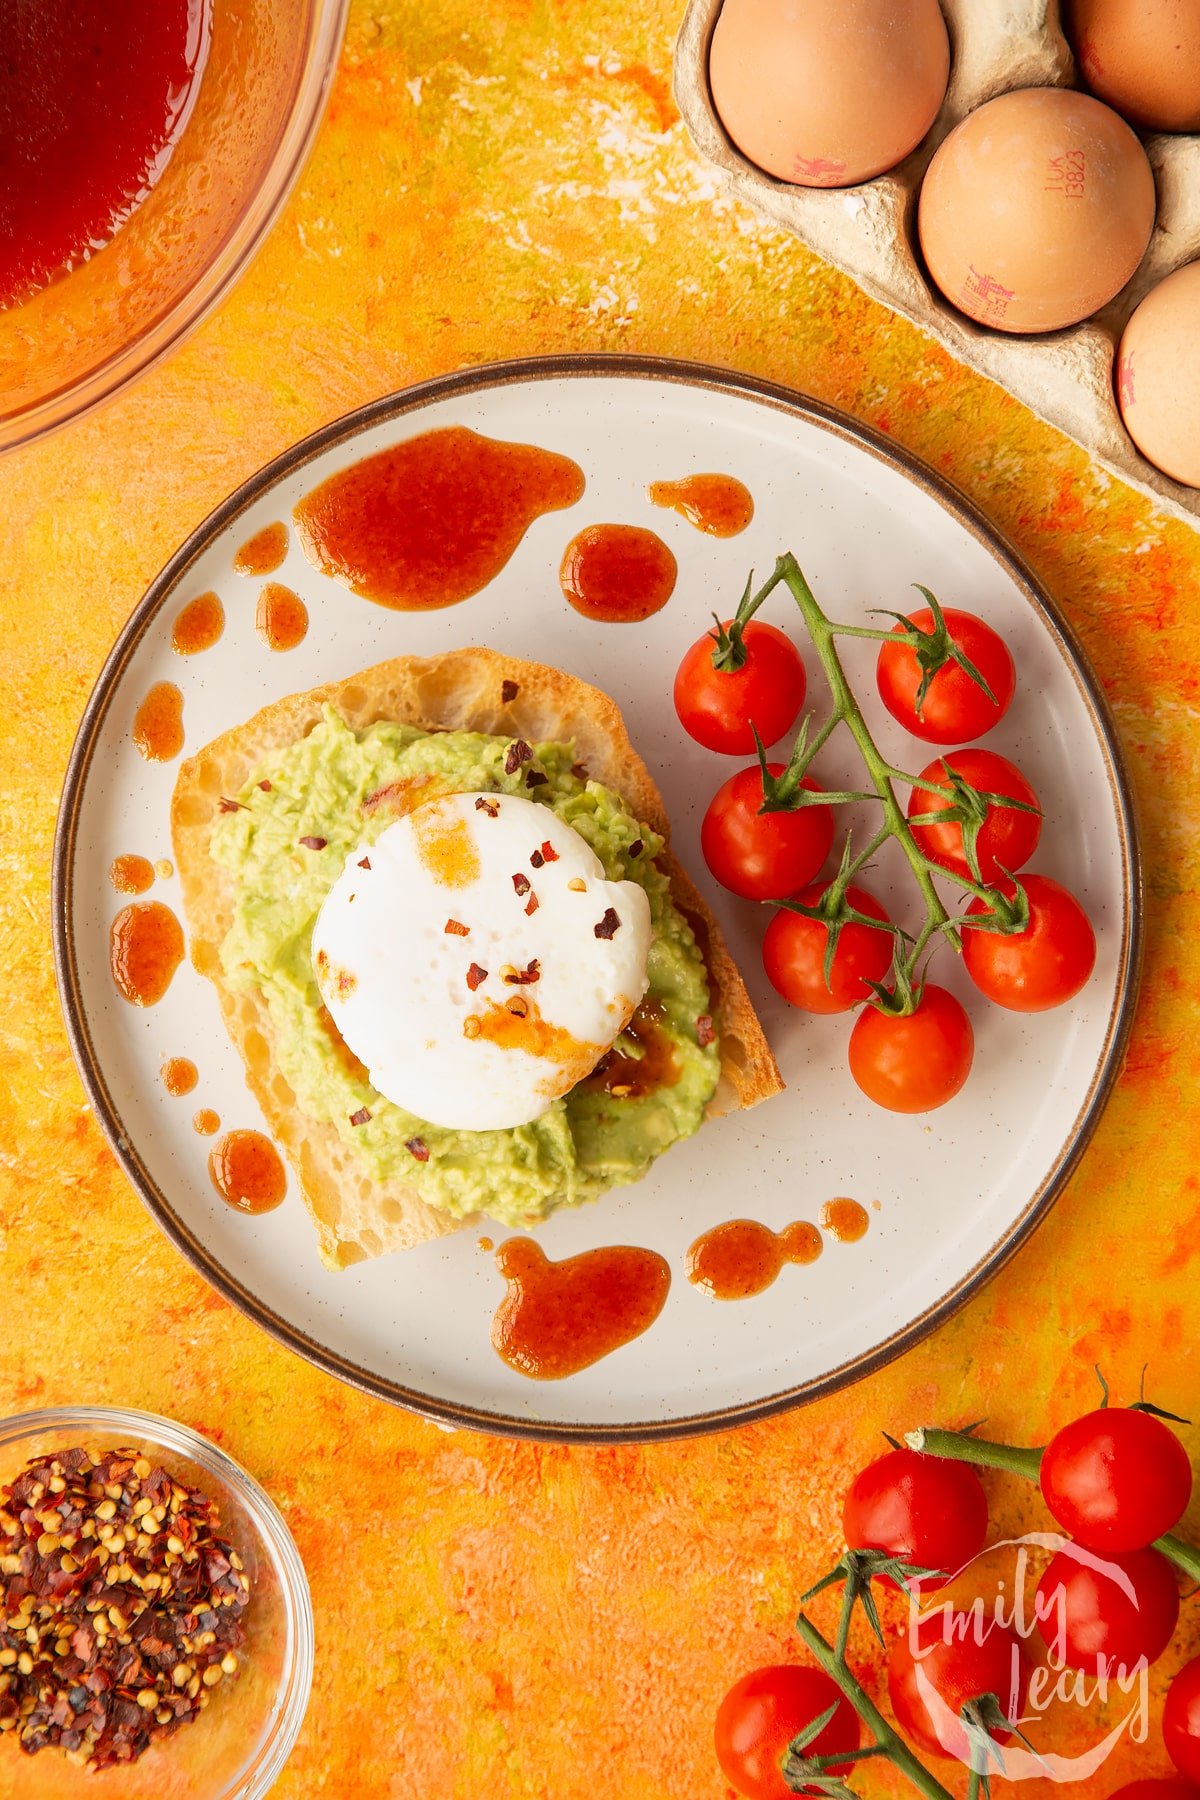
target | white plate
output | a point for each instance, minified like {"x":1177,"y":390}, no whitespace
{"x":958,"y":1190}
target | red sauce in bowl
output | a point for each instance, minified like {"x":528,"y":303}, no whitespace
{"x":93,"y":95}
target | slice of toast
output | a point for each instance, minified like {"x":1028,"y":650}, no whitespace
{"x":462,"y":690}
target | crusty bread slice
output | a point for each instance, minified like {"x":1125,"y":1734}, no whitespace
{"x":462,"y":690}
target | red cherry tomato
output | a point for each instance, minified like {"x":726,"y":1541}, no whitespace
{"x":1007,"y":838}
{"x":943,"y":1660}
{"x":763,"y":856}
{"x":1042,"y":966}
{"x":1166,"y":1789}
{"x":1181,"y":1721}
{"x":1086,"y":1617}
{"x":913,"y":1064}
{"x":718,"y":706}
{"x":794,"y":954}
{"x":1116,"y":1479}
{"x":920,"y":1508}
{"x":764,"y":1711}
{"x":955,"y":709}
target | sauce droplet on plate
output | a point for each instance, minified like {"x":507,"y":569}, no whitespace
{"x":719,"y":505}
{"x":198,"y":626}
{"x":281,"y":617}
{"x":145,"y":947}
{"x":179,"y":1075}
{"x":617,"y":574}
{"x":158,"y":723}
{"x":206,"y":1121}
{"x":741,"y":1258}
{"x":558,"y":1318}
{"x":845,"y":1220}
{"x":247,"y":1172}
{"x":131,"y":874}
{"x":263,"y":553}
{"x":486,"y":1243}
{"x":432,"y":520}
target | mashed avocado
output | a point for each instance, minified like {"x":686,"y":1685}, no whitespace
{"x":302,"y":811}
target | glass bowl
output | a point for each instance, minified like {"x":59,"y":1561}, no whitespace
{"x":259,"y":102}
{"x":238,"y":1746}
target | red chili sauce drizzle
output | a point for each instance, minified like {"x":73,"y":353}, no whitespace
{"x":741,"y":1258}
{"x":845,"y":1220}
{"x":281,"y":617}
{"x":179,"y":1075}
{"x":617,"y":574}
{"x":206,"y":1121}
{"x":719,"y":505}
{"x":131,"y":874}
{"x":145,"y":947}
{"x":655,"y":1066}
{"x":247,"y":1172}
{"x":558,"y":1318}
{"x":431,"y":521}
{"x":263,"y":553}
{"x":199,"y":625}
{"x":93,"y":96}
{"x":158,"y":723}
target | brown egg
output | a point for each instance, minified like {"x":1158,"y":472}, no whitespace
{"x":827,"y":95}
{"x":1142,"y":56}
{"x":1158,"y":375}
{"x":1036,"y":210}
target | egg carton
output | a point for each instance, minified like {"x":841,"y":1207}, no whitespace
{"x":870,"y":231}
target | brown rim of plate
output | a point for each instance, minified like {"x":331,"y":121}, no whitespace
{"x":398,"y":406}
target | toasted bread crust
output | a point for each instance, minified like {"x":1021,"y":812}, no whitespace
{"x":460,"y":690}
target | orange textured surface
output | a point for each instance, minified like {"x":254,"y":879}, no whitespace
{"x":493,"y":1619}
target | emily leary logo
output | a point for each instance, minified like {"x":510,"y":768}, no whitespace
{"x":1033,"y":1688}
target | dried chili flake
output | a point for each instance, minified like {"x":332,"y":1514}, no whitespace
{"x":537,"y":860}
{"x":508,"y":691}
{"x":518,"y":977}
{"x":365,"y":862}
{"x":417,"y":1148}
{"x":120,"y":1605}
{"x":636,"y":848}
{"x":361,"y":1117}
{"x":705,"y":1032}
{"x":609,"y":924}
{"x":521,"y":884}
{"x":535,"y":779}
{"x":531,"y":906}
{"x":518,"y":753}
{"x":549,"y":853}
{"x":226,"y":805}
{"x":579,"y":771}
{"x":475,"y":975}
{"x":314,"y":843}
{"x":490,"y":807}
{"x":457,"y":930}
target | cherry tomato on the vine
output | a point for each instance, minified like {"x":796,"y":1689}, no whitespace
{"x":955,"y":708}
{"x":1042,"y":966}
{"x":1165,"y":1789}
{"x":764,"y":1711}
{"x":1181,"y":1720}
{"x":1086,"y":1617}
{"x":1007,"y":837}
{"x":943,"y":1660}
{"x":718,"y":706}
{"x":763,"y":856}
{"x":794,"y":954}
{"x":923,"y":1509}
{"x":1116,"y":1479}
{"x":913,"y":1064}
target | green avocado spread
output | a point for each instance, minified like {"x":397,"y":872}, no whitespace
{"x":300,"y":814}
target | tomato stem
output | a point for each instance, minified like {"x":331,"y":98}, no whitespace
{"x":887,"y":1741}
{"x":963,"y":1446}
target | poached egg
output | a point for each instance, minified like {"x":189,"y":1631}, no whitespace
{"x":476,"y":960}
